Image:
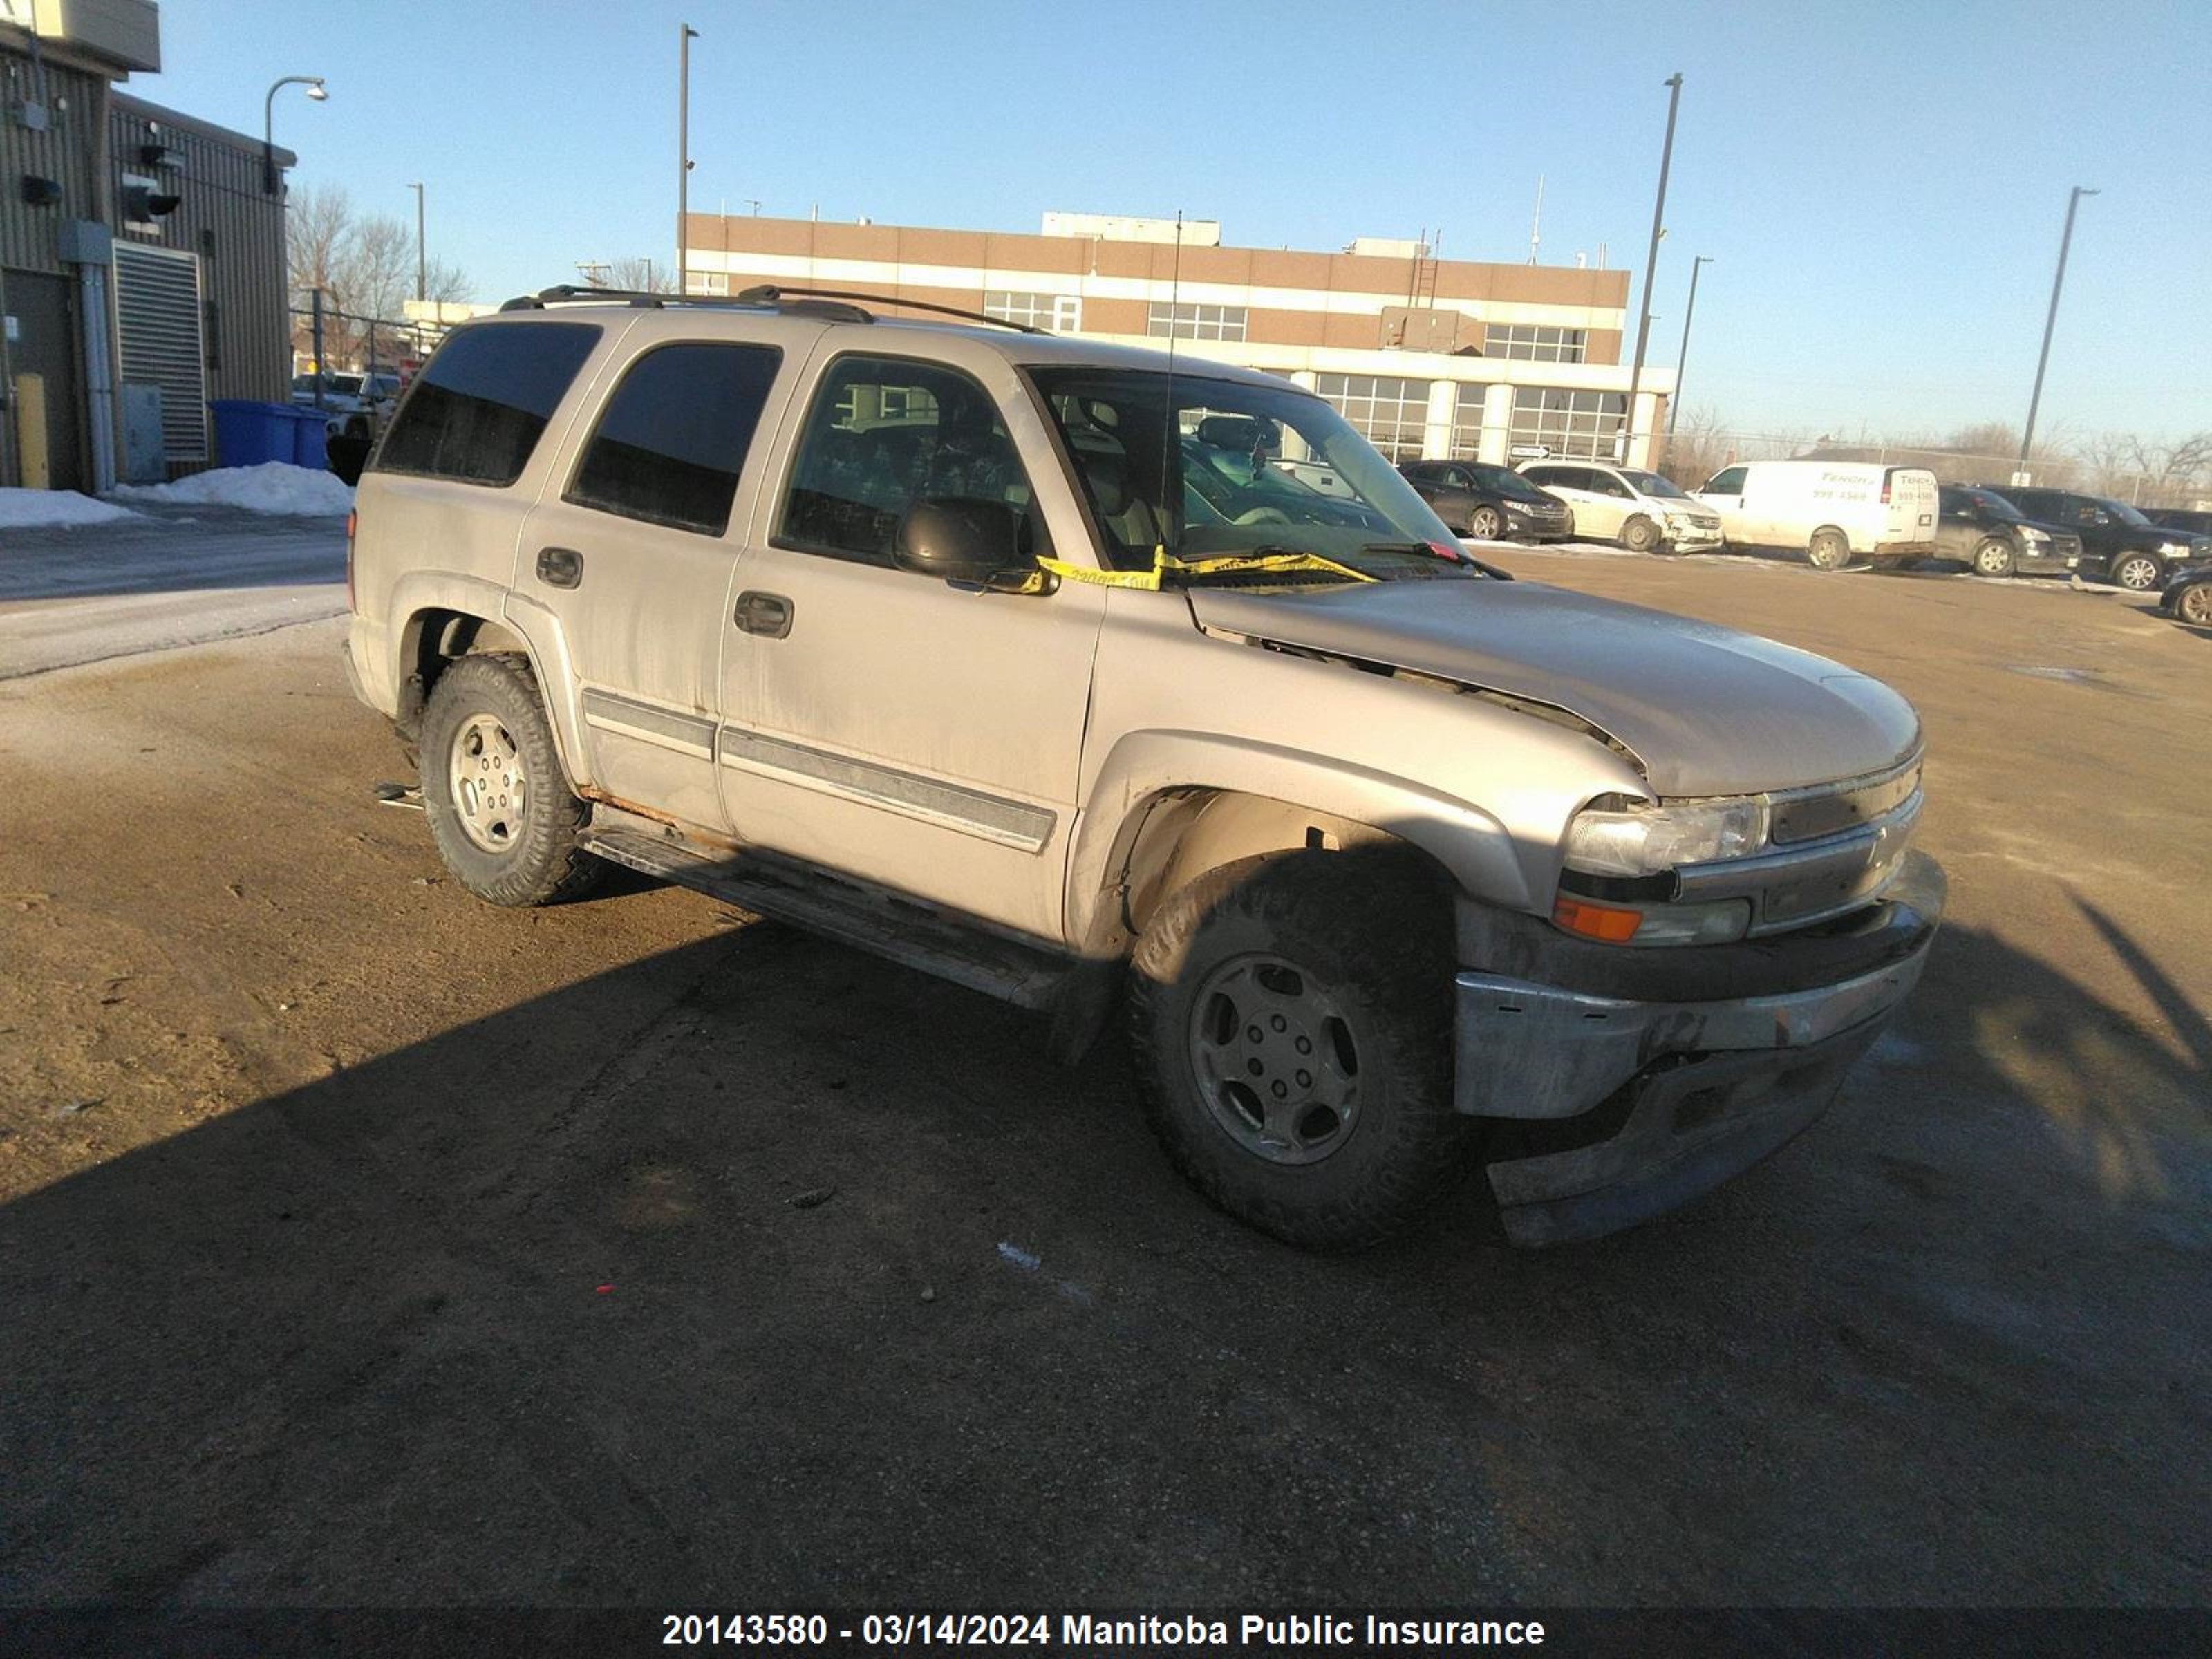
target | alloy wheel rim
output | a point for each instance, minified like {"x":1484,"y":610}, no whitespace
{"x":1992,"y":560}
{"x":2137,"y":574}
{"x":1276,"y":1059}
{"x":490,"y":785}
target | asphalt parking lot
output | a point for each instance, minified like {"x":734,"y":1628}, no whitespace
{"x":364,"y":1244}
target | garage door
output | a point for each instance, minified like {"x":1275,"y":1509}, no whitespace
{"x":158,"y":328}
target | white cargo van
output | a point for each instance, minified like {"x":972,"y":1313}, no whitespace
{"x":1836,"y":511}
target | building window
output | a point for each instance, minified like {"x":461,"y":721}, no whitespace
{"x":1390,"y":413}
{"x":1467,"y":423}
{"x":1056,"y":313}
{"x":1583,"y":424}
{"x":1194,"y":322}
{"x":706,"y":282}
{"x":1532,"y":343}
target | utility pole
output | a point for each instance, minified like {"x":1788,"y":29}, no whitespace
{"x":684,"y":155}
{"x":1689,"y":316}
{"x":1536,"y":219}
{"x":2035,"y":397}
{"x":1674,"y":83}
{"x":422,"y":267}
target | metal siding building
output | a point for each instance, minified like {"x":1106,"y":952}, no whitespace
{"x":103,"y":306}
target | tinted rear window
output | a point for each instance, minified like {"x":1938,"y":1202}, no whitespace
{"x":475,"y":413}
{"x":669,"y":445}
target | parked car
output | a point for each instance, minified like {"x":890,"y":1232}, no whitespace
{"x":1490,"y":503}
{"x":966,"y":646}
{"x":2188,"y":596}
{"x":1991,"y":536}
{"x":1836,"y":511}
{"x":1642,"y":511}
{"x":356,"y":405}
{"x":2117,"y":541}
{"x":2195,"y":522}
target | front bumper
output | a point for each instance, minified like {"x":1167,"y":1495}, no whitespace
{"x":1617,"y":1109}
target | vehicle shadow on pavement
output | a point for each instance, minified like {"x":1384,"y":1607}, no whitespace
{"x":759,"y":1270}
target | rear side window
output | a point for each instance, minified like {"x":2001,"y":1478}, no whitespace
{"x":672,"y":439}
{"x":475,"y":413}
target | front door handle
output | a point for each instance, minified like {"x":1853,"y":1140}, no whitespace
{"x":560,"y":566}
{"x":768,"y":615}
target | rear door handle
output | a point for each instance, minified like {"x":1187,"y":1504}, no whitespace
{"x":560,"y":566}
{"x":768,"y":615}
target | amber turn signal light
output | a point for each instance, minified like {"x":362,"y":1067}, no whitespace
{"x":1600,"y":921}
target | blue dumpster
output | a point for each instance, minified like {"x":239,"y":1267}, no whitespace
{"x":307,"y":438}
{"x":248,"y":433}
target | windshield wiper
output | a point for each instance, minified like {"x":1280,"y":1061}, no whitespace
{"x":1427,"y":550}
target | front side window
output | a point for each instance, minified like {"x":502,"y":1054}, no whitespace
{"x":672,"y":439}
{"x":1187,"y":465}
{"x":885,"y":433}
{"x":476,"y":412}
{"x":1726,"y":482}
{"x":1652,"y":483}
{"x":1195,"y":322}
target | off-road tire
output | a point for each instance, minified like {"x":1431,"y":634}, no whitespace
{"x":1486,"y":524}
{"x":2138,"y":573}
{"x":543,"y":864}
{"x":1640,"y":535}
{"x":1828,"y":551}
{"x":1374,"y":931}
{"x":1993,"y":557}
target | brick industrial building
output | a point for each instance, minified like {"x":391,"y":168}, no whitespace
{"x":1427,"y":356}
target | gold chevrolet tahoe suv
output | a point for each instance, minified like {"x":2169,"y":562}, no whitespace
{"x":1038,"y":664}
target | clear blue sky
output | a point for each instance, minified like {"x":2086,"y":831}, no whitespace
{"x":1881,"y":183}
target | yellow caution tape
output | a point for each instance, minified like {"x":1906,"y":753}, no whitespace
{"x":1164,"y":564}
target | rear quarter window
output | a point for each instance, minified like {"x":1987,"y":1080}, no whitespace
{"x":477,"y":412}
{"x":672,"y":439}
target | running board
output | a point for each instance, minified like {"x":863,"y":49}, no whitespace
{"x":866,"y":917}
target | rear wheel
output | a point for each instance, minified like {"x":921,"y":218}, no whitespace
{"x":1993,"y":557}
{"x":1486,"y":523}
{"x":2136,"y":571}
{"x":2195,"y":605}
{"x":501,"y":810}
{"x":1291,"y":1020}
{"x":1640,"y":535}
{"x":1828,"y":551}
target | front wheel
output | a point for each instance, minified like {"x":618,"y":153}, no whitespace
{"x":2195,"y":605}
{"x":501,"y":810}
{"x":1486,"y":524}
{"x":1640,"y":535}
{"x":1993,"y":558}
{"x":1291,"y":1020}
{"x":2136,"y":571}
{"x":1828,"y":551}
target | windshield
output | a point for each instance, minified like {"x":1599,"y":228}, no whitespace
{"x":2127,"y":514}
{"x":349,"y":385}
{"x":1226,"y":482}
{"x":1652,"y":484}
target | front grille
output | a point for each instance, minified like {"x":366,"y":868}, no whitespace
{"x":1807,"y":814}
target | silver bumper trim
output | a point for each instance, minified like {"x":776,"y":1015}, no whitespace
{"x":1534,"y":1051}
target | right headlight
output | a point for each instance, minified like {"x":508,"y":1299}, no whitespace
{"x":2033,"y":537}
{"x":1650,"y":841}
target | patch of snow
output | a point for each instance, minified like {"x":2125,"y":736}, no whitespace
{"x":270,"y":487}
{"x":39,"y":509}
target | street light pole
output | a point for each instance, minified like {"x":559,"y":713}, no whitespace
{"x":2043,"y":357}
{"x":315,"y":90}
{"x":1689,"y":316}
{"x":1674,"y":84}
{"x":683,"y":157}
{"x":421,"y":266}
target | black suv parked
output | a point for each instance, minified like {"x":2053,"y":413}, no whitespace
{"x":1490,"y":503}
{"x":2117,"y":541}
{"x":1989,"y":534}
{"x":2181,"y":518}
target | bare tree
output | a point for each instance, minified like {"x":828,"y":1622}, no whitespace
{"x":365,"y":270}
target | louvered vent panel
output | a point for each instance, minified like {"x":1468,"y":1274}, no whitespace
{"x":157,"y":319}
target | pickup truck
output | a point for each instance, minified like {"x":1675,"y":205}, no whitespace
{"x":986,"y":650}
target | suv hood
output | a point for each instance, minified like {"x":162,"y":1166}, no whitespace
{"x":1704,"y":709}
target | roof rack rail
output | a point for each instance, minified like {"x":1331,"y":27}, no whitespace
{"x":578,"y":294}
{"x":769,"y":293}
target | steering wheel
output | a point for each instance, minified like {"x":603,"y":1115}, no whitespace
{"x":1263,"y":515}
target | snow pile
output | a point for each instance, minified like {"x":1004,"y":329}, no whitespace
{"x":270,"y":487}
{"x":37,"y":509}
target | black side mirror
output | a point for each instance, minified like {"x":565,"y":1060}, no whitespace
{"x":970,"y":543}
